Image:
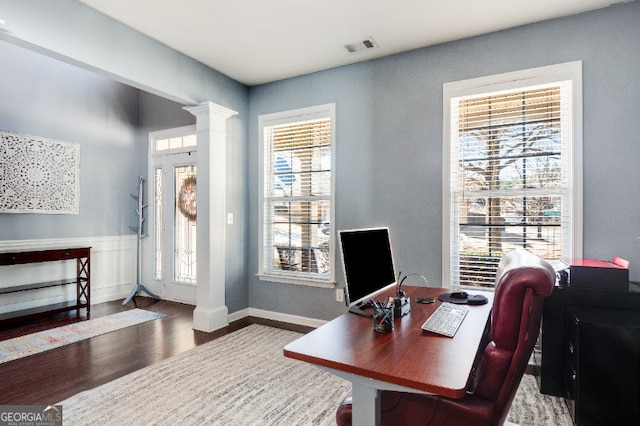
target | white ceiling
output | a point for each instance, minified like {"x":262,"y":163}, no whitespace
{"x":259,"y":41}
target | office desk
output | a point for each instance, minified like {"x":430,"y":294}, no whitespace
{"x":407,"y":359}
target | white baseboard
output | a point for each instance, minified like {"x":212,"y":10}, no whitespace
{"x":238,"y":315}
{"x":277,"y":316}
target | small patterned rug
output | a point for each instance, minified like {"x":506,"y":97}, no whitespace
{"x":41,"y":341}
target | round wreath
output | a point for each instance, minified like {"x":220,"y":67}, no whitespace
{"x":187,"y":198}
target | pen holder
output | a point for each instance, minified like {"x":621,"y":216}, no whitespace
{"x":383,"y":320}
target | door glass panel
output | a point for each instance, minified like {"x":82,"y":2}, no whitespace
{"x":185,"y":225}
{"x":159,"y":223}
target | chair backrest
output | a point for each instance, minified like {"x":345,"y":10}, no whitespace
{"x":522,"y":281}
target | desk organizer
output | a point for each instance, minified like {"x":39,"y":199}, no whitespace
{"x":383,"y":320}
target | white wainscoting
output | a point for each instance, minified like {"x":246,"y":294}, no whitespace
{"x":113,"y":271}
{"x":113,"y":275}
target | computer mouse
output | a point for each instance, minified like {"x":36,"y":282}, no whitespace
{"x":459,"y":295}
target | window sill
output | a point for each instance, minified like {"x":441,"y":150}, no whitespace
{"x":474,"y":288}
{"x":298,"y":280}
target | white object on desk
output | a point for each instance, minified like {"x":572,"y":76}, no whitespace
{"x":446,"y":319}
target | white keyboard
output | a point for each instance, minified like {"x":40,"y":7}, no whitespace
{"x":446,"y":319}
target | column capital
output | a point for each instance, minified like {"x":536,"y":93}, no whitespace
{"x":210,"y":108}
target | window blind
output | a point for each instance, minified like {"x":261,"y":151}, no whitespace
{"x":297,"y":197}
{"x":509,"y":183}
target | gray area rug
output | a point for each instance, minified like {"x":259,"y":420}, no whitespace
{"x":531,"y":408}
{"x":244,"y":379}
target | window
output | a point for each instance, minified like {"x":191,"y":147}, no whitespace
{"x":175,"y":142}
{"x":513,"y":170}
{"x":297,"y":196}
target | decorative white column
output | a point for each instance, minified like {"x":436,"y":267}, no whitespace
{"x":211,"y":312}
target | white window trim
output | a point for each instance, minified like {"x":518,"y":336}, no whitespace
{"x":509,"y":81}
{"x":274,"y":119}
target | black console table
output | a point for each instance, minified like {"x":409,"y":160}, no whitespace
{"x":81,"y":279}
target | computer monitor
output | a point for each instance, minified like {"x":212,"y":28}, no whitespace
{"x":368,"y":265}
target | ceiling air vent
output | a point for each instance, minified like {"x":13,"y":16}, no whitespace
{"x":360,"y":46}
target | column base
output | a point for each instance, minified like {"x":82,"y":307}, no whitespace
{"x":209,"y":320}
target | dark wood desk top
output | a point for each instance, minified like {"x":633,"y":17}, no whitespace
{"x":407,"y":356}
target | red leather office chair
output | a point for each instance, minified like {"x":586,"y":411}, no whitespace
{"x":522,"y":281}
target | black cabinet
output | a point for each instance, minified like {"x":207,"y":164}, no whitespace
{"x":550,"y":353}
{"x":602,"y":365}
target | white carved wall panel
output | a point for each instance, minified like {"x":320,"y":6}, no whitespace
{"x":38,"y":175}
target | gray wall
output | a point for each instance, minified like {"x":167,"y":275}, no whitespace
{"x":389,"y":131}
{"x":46,"y":96}
{"x":389,"y":140}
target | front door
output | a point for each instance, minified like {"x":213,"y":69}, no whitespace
{"x":174,"y":181}
{"x":175,"y":185}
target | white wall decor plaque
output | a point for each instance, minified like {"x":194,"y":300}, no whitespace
{"x":38,"y":175}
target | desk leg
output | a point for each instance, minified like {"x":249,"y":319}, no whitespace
{"x":365,"y":394}
{"x":366,"y":405}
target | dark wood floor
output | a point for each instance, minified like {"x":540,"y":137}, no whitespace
{"x":55,"y":375}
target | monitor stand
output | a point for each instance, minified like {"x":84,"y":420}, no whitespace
{"x":357,"y":309}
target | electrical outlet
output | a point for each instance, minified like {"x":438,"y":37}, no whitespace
{"x":339,"y":295}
